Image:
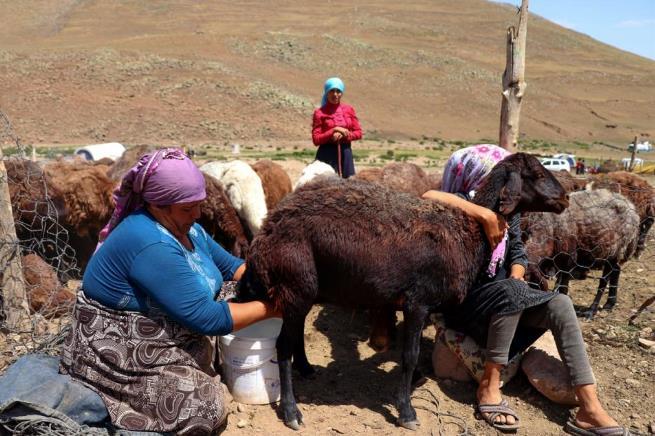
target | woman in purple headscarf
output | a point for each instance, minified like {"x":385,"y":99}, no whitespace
{"x":148,"y":302}
{"x":503,"y":314}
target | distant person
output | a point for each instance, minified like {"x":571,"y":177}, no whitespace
{"x":334,"y":127}
{"x":580,"y":167}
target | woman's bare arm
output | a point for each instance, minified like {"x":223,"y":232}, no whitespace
{"x":244,"y":314}
{"x":494,"y":225}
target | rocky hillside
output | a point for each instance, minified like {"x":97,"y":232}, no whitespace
{"x":77,"y":71}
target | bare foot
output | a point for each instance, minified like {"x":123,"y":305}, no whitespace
{"x":586,"y":418}
{"x":488,"y":395}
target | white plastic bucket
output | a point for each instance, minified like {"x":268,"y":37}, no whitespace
{"x":249,"y":362}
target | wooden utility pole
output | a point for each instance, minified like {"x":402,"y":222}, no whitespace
{"x":631,"y":165}
{"x":14,"y":310}
{"x":513,"y":82}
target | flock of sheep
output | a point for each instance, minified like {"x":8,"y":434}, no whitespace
{"x":605,"y":225}
{"x":372,"y":233}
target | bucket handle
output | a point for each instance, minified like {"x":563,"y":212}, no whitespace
{"x":252,"y":365}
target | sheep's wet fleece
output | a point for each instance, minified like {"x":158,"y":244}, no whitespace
{"x":351,"y":241}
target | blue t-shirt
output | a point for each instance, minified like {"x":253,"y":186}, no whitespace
{"x":142,"y":265}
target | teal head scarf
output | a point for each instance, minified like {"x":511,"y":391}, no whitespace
{"x":330,"y":84}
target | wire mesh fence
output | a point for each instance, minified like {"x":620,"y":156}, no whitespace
{"x":38,"y":258}
{"x":603,"y":240}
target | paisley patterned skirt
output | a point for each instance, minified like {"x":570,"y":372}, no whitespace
{"x":152,"y":373}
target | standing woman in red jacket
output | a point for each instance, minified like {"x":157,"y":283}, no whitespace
{"x":334,"y":127}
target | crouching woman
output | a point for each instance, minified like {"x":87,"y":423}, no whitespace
{"x":147,"y":302}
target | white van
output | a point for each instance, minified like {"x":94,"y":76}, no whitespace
{"x":554,"y":164}
{"x":641,"y":146}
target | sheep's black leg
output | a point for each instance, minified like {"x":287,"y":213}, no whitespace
{"x":602,"y":283}
{"x":562,"y":285}
{"x":414,"y":321}
{"x":285,"y":347}
{"x":300,"y":361}
{"x":613,"y":288}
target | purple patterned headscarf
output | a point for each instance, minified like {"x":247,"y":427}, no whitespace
{"x":163,"y":177}
{"x":463,"y":174}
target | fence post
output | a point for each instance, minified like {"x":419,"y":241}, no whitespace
{"x":14,"y":310}
{"x":513,"y":82}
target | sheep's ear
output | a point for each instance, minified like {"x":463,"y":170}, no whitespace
{"x":510,"y":194}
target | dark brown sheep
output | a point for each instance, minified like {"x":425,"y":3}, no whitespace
{"x":220,"y":220}
{"x":638,"y":191}
{"x":351,"y":242}
{"x":275,"y":181}
{"x":400,"y":177}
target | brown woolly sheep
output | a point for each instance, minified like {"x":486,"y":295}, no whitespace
{"x":86,"y":192}
{"x":127,"y":161}
{"x":275,"y":181}
{"x":351,"y":242}
{"x":638,"y":191}
{"x":401,"y":177}
{"x":40,"y":214}
{"x":599,"y":230}
{"x":435,"y":180}
{"x":44,"y":292}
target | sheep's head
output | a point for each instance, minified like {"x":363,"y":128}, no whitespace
{"x":520,"y":183}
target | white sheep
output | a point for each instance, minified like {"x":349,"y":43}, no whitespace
{"x":313,"y":170}
{"x":244,"y":189}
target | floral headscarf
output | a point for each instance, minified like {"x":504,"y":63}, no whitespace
{"x":463,"y":174}
{"x":467,"y":167}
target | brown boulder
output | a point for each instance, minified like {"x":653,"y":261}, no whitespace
{"x":546,"y":371}
{"x":447,"y":365}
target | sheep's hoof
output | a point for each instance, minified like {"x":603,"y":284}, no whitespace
{"x":293,"y":424}
{"x":409,"y":425}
